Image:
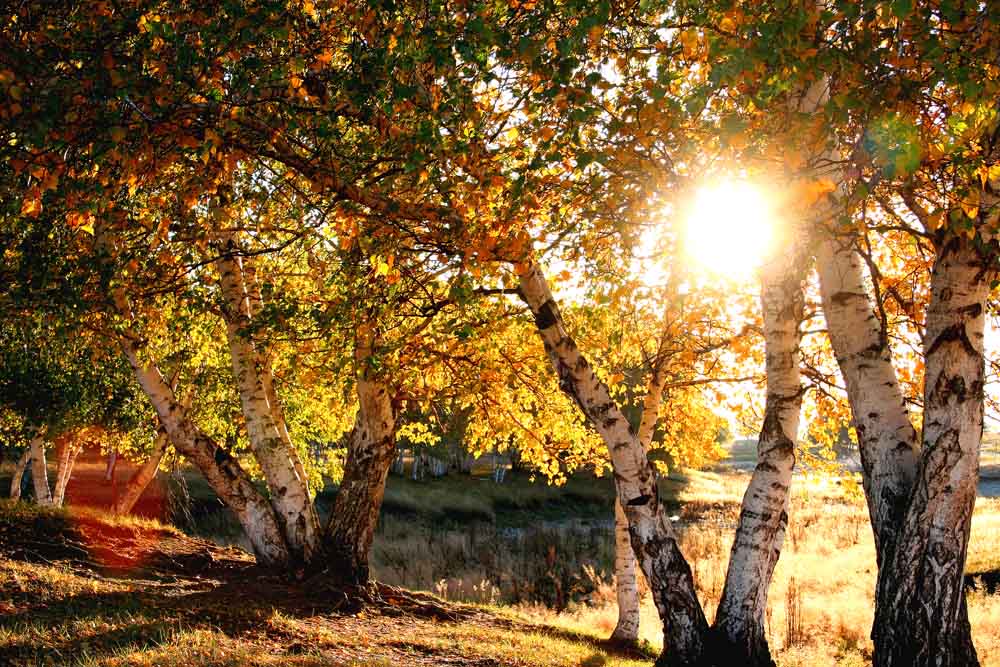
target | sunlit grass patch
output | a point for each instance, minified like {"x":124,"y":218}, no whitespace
{"x":520,"y":647}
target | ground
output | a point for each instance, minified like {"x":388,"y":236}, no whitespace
{"x":522,"y":570}
{"x":80,"y":588}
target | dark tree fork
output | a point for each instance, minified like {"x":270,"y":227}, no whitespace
{"x":920,"y":503}
{"x":921,"y":617}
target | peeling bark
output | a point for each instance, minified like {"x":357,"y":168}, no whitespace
{"x":653,"y":539}
{"x":137,"y":484}
{"x":274,"y":453}
{"x":920,"y":619}
{"x":760,"y":533}
{"x":370,"y":451}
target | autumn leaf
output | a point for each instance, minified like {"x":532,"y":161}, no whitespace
{"x":31,"y":205}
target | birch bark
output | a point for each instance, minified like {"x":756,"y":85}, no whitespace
{"x":39,"y":471}
{"x":886,"y":438}
{"x":653,"y":540}
{"x":370,"y":451}
{"x":739,"y":621}
{"x":256,"y":303}
{"x":109,"y":470}
{"x":626,"y":577}
{"x":289,"y":493}
{"x":19,"y":468}
{"x":223,"y":473}
{"x":67,"y":461}
{"x":920,"y":619}
{"x":142,"y":477}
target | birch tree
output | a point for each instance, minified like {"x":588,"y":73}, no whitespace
{"x":740,"y":618}
{"x":133,"y":489}
{"x":653,"y":538}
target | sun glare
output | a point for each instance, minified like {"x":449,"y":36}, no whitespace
{"x":730,"y":228}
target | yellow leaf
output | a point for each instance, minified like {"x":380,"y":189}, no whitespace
{"x":689,"y":42}
{"x":970,"y":204}
{"x":728,"y":25}
{"x":32,"y":204}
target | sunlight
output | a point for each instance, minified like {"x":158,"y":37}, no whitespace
{"x":729,"y":229}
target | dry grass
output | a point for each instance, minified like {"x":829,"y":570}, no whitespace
{"x":821,"y":600}
{"x":190,"y":603}
{"x":820,"y":608}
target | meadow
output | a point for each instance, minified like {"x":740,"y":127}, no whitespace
{"x":532,"y":561}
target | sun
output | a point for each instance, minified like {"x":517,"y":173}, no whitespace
{"x":730,"y":229}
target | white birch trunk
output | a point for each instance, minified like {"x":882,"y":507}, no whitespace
{"x":274,"y":454}
{"x":887,"y":440}
{"x":109,"y":470}
{"x":256,"y":304}
{"x":626,"y":581}
{"x":223,"y":473}
{"x":760,"y":533}
{"x":67,"y":460}
{"x":142,"y":477}
{"x":17,"y":479}
{"x":652,"y":536}
{"x":626,"y":572}
{"x":919,"y":620}
{"x":39,"y":472}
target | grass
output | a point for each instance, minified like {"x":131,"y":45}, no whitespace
{"x":821,"y":599}
{"x":186,"y":602}
{"x":537,"y":559}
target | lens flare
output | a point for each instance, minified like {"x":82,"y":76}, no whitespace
{"x":730,"y":229}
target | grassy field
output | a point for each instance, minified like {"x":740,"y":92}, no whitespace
{"x":535,"y":561}
{"x":78,"y":588}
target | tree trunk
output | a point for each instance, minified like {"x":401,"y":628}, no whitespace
{"x":223,"y":473}
{"x":67,"y":460}
{"x":135,"y":486}
{"x":887,"y":440}
{"x":626,"y":578}
{"x":16,"y":480}
{"x":256,"y":304}
{"x":739,"y":620}
{"x":886,"y":437}
{"x":109,"y":470}
{"x":370,"y":452}
{"x":652,"y":536}
{"x":289,"y":493}
{"x":626,"y":581}
{"x":39,"y":472}
{"x":920,"y":619}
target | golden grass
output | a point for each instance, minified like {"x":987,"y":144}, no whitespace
{"x":820,"y":608}
{"x":821,"y":599}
